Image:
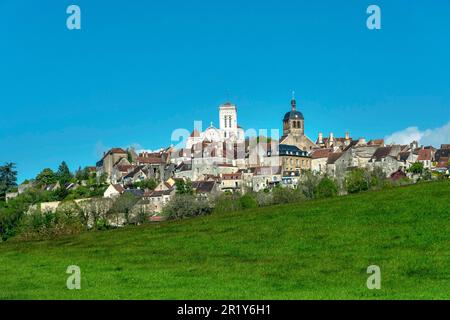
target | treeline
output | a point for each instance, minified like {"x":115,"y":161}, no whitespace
{"x":46,"y":187}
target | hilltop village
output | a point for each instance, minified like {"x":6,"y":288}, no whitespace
{"x":223,"y":159}
{"x":226,"y":160}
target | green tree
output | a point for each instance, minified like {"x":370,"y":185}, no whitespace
{"x":82,"y":174}
{"x":326,"y":188}
{"x":8,"y":178}
{"x":357,"y":180}
{"x":46,"y":177}
{"x":416,"y":168}
{"x":309,"y":184}
{"x":63,"y":174}
{"x":123,"y":205}
{"x":146,"y":184}
{"x":248,"y":201}
{"x":186,"y":205}
{"x":184,"y":187}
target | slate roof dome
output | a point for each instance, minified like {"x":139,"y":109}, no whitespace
{"x":294,"y":114}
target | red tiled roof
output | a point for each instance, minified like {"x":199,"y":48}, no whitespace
{"x":321,"y":153}
{"x":150,"y":160}
{"x":232,"y":176}
{"x":376,"y":142}
{"x":119,"y":188}
{"x":424,"y":154}
{"x":195,"y":133}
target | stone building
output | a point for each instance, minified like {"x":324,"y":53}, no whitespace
{"x":294,"y":129}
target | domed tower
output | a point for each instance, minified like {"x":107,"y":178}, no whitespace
{"x":293,"y":121}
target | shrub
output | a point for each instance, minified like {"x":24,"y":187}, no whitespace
{"x":416,"y":168}
{"x":326,"y":188}
{"x":264,"y":198}
{"x":227,"y":202}
{"x":287,"y":195}
{"x":248,"y":201}
{"x":357,"y":180}
{"x":186,"y":205}
{"x":309,"y":184}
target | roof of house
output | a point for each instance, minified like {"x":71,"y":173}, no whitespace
{"x":135,"y":192}
{"x":184,"y":166}
{"x":398,"y":175}
{"x":332,"y":157}
{"x":321,"y":153}
{"x":203,"y":186}
{"x":403,"y":156}
{"x":124,"y":167}
{"x":195,"y":133}
{"x":134,"y":172}
{"x":381,"y":152}
{"x":445,"y":146}
{"x":424,"y":154}
{"x":160,"y":193}
{"x":118,"y":188}
{"x":290,"y":150}
{"x":150,"y":160}
{"x":232,"y":176}
{"x":442,"y":153}
{"x":377,"y":142}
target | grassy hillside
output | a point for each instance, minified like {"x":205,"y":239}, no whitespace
{"x":317,"y":249}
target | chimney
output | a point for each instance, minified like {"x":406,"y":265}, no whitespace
{"x":320,"y":138}
{"x":347,"y":136}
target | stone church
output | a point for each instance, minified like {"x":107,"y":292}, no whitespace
{"x":294,"y":129}
{"x":229,"y":129}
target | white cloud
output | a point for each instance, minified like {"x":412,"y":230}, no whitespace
{"x":434,"y":137}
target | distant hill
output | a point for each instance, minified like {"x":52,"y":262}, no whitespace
{"x":314,"y":249}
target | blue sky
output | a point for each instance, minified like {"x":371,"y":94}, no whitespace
{"x":137,"y":70}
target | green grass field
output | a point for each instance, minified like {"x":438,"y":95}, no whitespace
{"x":311,"y":250}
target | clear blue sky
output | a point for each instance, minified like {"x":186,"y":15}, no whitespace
{"x":139,"y":69}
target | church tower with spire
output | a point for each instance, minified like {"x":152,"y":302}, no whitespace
{"x":293,"y":121}
{"x":294,"y":128}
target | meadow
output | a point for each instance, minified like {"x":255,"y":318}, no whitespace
{"x":317,"y":249}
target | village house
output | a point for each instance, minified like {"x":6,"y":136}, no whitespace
{"x":111,"y":158}
{"x":319,"y":159}
{"x":266,"y":178}
{"x":154,"y":201}
{"x":113,"y":190}
{"x":425,"y":157}
{"x":232,"y":182}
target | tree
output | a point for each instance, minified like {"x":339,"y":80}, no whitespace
{"x":357,"y":180}
{"x":184,"y":187}
{"x":82,"y":174}
{"x":123,"y":205}
{"x":146,"y":184}
{"x":186,"y":205}
{"x":326,"y":188}
{"x":8,"y":178}
{"x":46,"y":177}
{"x":282,"y":195}
{"x":416,"y":168}
{"x":309,"y":184}
{"x":248,"y":201}
{"x":63,"y":174}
